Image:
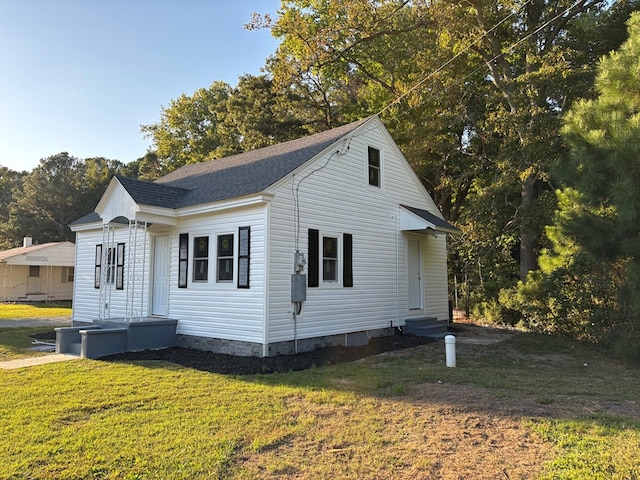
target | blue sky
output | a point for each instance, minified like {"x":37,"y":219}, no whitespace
{"x":80,"y":76}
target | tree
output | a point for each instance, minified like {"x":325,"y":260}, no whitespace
{"x":9,"y":182}
{"x":149,"y":167}
{"x":221,"y":121}
{"x":188,"y":131}
{"x":604,"y":168}
{"x":59,"y":190}
{"x":482,"y":128}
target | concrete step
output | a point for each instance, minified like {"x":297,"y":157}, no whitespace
{"x":426,"y":327}
{"x":74,"y":349}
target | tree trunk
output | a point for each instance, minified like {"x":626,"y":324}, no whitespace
{"x":527,"y":237}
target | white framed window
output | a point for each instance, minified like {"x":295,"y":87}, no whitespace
{"x":114,"y":264}
{"x":201,"y":259}
{"x":330,"y":259}
{"x":330,"y":262}
{"x":374,"y":163}
{"x":225,"y":258}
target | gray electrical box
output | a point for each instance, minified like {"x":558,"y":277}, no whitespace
{"x":298,"y":287}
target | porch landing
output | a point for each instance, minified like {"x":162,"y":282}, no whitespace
{"x":115,"y":335}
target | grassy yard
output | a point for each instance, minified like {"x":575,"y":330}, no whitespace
{"x":528,"y":407}
{"x":34,"y":310}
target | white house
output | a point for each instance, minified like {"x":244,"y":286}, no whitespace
{"x":328,"y":239}
{"x":33,"y":273}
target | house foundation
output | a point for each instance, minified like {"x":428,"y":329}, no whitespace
{"x":290,"y":347}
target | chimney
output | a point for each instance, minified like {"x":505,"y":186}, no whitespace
{"x":28,"y":242}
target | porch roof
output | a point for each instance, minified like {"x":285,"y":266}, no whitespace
{"x":416,"y":219}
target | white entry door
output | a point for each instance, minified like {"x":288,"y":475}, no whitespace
{"x":160,"y":295}
{"x":415,"y":275}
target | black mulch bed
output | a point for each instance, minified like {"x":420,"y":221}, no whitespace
{"x":233,"y":365}
{"x":45,"y":336}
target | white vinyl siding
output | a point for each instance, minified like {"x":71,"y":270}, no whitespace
{"x":86,"y":298}
{"x":221,"y":309}
{"x":338,"y":197}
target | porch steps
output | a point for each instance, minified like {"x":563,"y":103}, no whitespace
{"x":426,"y":327}
{"x":116,"y":336}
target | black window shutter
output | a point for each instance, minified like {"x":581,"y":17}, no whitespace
{"x":314,"y":241}
{"x":347,"y":269}
{"x":183,"y":259}
{"x":244,"y":247}
{"x":120,"y":267}
{"x":98,"y":267}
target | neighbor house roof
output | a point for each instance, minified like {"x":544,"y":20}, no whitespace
{"x":231,"y":177}
{"x":14,"y":252}
{"x":7,"y":255}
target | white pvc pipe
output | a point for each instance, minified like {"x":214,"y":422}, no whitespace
{"x":450,"y":350}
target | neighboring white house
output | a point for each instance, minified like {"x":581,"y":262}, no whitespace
{"x":34,"y":273}
{"x":328,"y":239}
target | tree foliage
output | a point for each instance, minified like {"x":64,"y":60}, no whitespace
{"x":592,"y":270}
{"x":482,"y":127}
{"x":222,"y":120}
{"x":61,"y":189}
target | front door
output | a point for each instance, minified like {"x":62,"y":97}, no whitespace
{"x":160,"y":292}
{"x":415,"y":275}
{"x":33,"y":280}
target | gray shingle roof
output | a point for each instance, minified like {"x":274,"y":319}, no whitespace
{"x":243,"y":174}
{"x":155,"y":194}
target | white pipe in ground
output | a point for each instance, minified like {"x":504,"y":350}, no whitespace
{"x":450,"y":350}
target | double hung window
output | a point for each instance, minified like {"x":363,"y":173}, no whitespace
{"x":225,"y":258}
{"x":374,"y":166}
{"x":330,"y":259}
{"x":200,"y":259}
{"x":113,"y":263}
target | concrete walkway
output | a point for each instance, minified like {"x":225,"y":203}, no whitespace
{"x":33,"y":361}
{"x":52,"y":322}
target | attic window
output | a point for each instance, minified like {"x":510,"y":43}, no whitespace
{"x":374,"y":166}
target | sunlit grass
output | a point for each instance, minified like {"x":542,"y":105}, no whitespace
{"x":15,"y":342}
{"x":92,"y":419}
{"x":35,"y":310}
{"x":599,"y":447}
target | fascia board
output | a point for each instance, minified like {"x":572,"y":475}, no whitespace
{"x":240,"y":202}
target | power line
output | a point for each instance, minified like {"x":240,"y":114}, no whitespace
{"x":448,"y":62}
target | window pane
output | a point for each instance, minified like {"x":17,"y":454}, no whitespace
{"x":225,"y":245}
{"x":225,"y":269}
{"x":329,"y":273}
{"x":200,"y":247}
{"x":201,"y":269}
{"x":329,"y":247}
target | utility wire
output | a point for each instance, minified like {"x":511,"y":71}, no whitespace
{"x":464,"y":50}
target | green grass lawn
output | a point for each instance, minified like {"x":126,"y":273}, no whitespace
{"x":15,"y":342}
{"x":34,"y":310}
{"x":535,"y":405}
